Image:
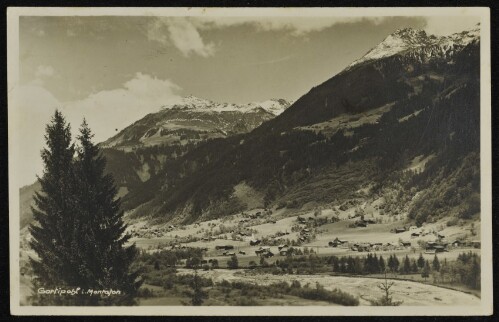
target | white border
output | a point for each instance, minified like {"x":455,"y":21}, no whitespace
{"x":486,"y":307}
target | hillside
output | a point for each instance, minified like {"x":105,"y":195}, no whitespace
{"x":361,"y":130}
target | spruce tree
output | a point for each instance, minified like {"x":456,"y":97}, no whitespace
{"x":78,"y":232}
{"x":414,"y":266}
{"x":407,"y":265}
{"x":426,"y":270}
{"x":396,"y":263}
{"x":382,"y":265}
{"x":436,"y":264}
{"x":420,"y":261}
{"x":53,"y":214}
{"x":105,"y":258}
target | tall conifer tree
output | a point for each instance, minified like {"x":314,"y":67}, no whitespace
{"x":54,"y":213}
{"x":101,"y":229}
{"x":79,"y":233}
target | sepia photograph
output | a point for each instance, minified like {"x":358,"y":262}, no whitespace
{"x":250,"y":161}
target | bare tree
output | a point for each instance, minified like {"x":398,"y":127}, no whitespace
{"x":386,"y":299}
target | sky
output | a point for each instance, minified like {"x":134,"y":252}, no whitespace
{"x":113,"y":70}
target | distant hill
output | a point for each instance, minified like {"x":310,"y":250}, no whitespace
{"x":138,"y":152}
{"x":26,"y":200}
{"x":194,"y":120}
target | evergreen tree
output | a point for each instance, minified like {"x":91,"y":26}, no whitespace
{"x":407,"y":265}
{"x":436,"y":264}
{"x":391,"y":263}
{"x":420,"y":261}
{"x":426,"y":270}
{"x":78,"y":232}
{"x":474,"y":277}
{"x":382,"y":265}
{"x":414,"y":266}
{"x":233,"y":263}
{"x":396,"y":263}
{"x":53,"y":214}
{"x":100,"y":227}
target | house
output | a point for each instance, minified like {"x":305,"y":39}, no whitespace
{"x":413,"y":227}
{"x":414,"y":235}
{"x":399,"y":230}
{"x":361,"y":223}
{"x":456,"y":243}
{"x":259,"y":252}
{"x":255,"y":242}
{"x":441,"y":236}
{"x":476,"y":243}
{"x":365,"y":247}
{"x":405,"y":243}
{"x":336,"y":242}
{"x":242,"y":252}
{"x":225,"y":247}
{"x":282,"y":246}
{"x":439,"y":248}
{"x":268,"y":254}
{"x":333,"y":244}
{"x":301,"y":220}
{"x":370,"y":221}
{"x":430,"y":251}
{"x":283,"y":251}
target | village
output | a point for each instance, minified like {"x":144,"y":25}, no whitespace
{"x":274,"y":233}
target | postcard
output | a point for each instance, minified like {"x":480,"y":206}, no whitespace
{"x":250,"y":161}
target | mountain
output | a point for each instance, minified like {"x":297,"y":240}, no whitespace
{"x":401,"y":123}
{"x":410,"y":41}
{"x":140,"y":151}
{"x":192,"y":120}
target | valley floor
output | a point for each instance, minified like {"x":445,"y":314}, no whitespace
{"x":411,"y":293}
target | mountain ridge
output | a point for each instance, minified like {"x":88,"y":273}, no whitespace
{"x":408,"y":39}
{"x":193,"y":119}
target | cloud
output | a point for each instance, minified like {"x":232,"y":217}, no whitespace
{"x":295,"y":26}
{"x":105,"y":111}
{"x":443,"y":26}
{"x":182,"y":34}
{"x":44,"y":71}
{"x":272,"y":61}
{"x":113,"y":109}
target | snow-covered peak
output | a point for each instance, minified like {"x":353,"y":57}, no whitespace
{"x":196,"y":104}
{"x":406,"y":39}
